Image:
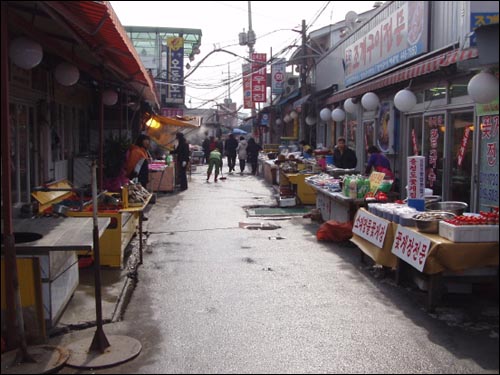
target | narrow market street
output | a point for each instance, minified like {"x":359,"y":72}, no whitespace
{"x":214,"y":297}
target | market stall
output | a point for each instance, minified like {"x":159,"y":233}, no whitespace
{"x":331,"y":200}
{"x":48,"y":266}
{"x":123,"y":210}
{"x":428,"y":256}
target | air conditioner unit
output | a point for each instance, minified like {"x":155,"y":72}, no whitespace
{"x":291,"y":84}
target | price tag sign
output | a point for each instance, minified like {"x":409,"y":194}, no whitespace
{"x":412,"y":247}
{"x":370,"y":227}
{"x":376,"y":179}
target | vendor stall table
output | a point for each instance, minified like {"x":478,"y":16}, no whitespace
{"x":305,"y":193}
{"x":270,"y":172}
{"x":48,"y":266}
{"x":335,"y":205}
{"x":123,"y":225}
{"x":430,"y":255}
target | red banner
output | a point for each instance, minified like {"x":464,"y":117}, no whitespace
{"x":259,"y":77}
{"x":247,"y":86}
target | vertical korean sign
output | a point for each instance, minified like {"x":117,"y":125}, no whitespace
{"x":416,"y":177}
{"x":488,"y":155}
{"x":175,"y":70}
{"x":278,"y":74}
{"x":259,"y":78}
{"x":247,"y":86}
{"x":434,"y":142}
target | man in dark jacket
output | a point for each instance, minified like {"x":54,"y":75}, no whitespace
{"x":182,"y":152}
{"x":343,"y":156}
{"x":230,"y":147}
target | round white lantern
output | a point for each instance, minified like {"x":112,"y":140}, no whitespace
{"x":310,"y":120}
{"x":483,"y":87}
{"x":350,"y":106}
{"x":338,"y":115}
{"x":109,"y":97}
{"x":287,"y":118}
{"x":67,"y":74}
{"x":325,"y":114}
{"x":370,"y":101}
{"x":25,"y":53}
{"x":294,"y":115}
{"x":278,"y":121}
{"x":405,"y":100}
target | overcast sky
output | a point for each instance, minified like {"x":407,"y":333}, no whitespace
{"x":221,"y":22}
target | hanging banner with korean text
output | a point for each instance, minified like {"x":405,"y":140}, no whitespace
{"x":416,"y":177}
{"x":247,"y":86}
{"x":259,"y":78}
{"x":175,"y":70}
{"x":488,"y":155}
{"x":278,"y":74}
{"x":411,"y":247}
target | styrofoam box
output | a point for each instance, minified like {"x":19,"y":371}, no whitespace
{"x":287,"y":202}
{"x":468,"y":233}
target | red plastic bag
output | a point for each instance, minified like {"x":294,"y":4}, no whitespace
{"x":334,"y":231}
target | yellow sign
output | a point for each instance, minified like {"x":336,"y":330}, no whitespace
{"x":175,"y":43}
{"x":375,"y":179}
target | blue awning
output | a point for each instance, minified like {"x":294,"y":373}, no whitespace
{"x":292,"y":95}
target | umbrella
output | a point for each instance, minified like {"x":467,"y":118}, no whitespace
{"x":239,"y":131}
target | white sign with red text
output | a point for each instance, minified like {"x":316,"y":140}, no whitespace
{"x":411,"y":246}
{"x":370,"y":227}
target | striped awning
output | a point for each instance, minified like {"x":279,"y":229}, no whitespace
{"x":424,"y":67}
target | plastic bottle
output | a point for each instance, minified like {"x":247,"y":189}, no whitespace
{"x":353,"y":189}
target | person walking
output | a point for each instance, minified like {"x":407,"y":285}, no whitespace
{"x":242,"y":153}
{"x":206,"y":147}
{"x":182,"y":152}
{"x":253,"y":149}
{"x":343,"y":156}
{"x":379,"y":163}
{"x":230,"y":147}
{"x":215,"y":160}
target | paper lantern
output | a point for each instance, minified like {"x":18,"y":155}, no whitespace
{"x":109,"y":97}
{"x":325,"y":114}
{"x":310,"y":120}
{"x":67,"y":74}
{"x":287,"y":118}
{"x":350,"y":106}
{"x":294,"y":115}
{"x":278,"y":121}
{"x":370,"y":101}
{"x":405,"y":100}
{"x":25,"y":53}
{"x":483,"y":88}
{"x":338,"y":115}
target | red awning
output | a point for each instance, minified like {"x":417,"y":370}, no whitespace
{"x":97,"y":24}
{"x":424,"y":67}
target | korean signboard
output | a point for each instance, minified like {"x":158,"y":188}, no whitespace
{"x":400,"y":37}
{"x":370,"y":227}
{"x":411,"y":247}
{"x":172,"y":112}
{"x":278,"y":75}
{"x":434,"y":142}
{"x":259,"y":78}
{"x":488,"y":155}
{"x":416,"y":177}
{"x":175,"y":70}
{"x":247,"y":86}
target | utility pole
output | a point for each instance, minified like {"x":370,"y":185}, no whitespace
{"x":303,"y":81}
{"x":251,"y":43}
